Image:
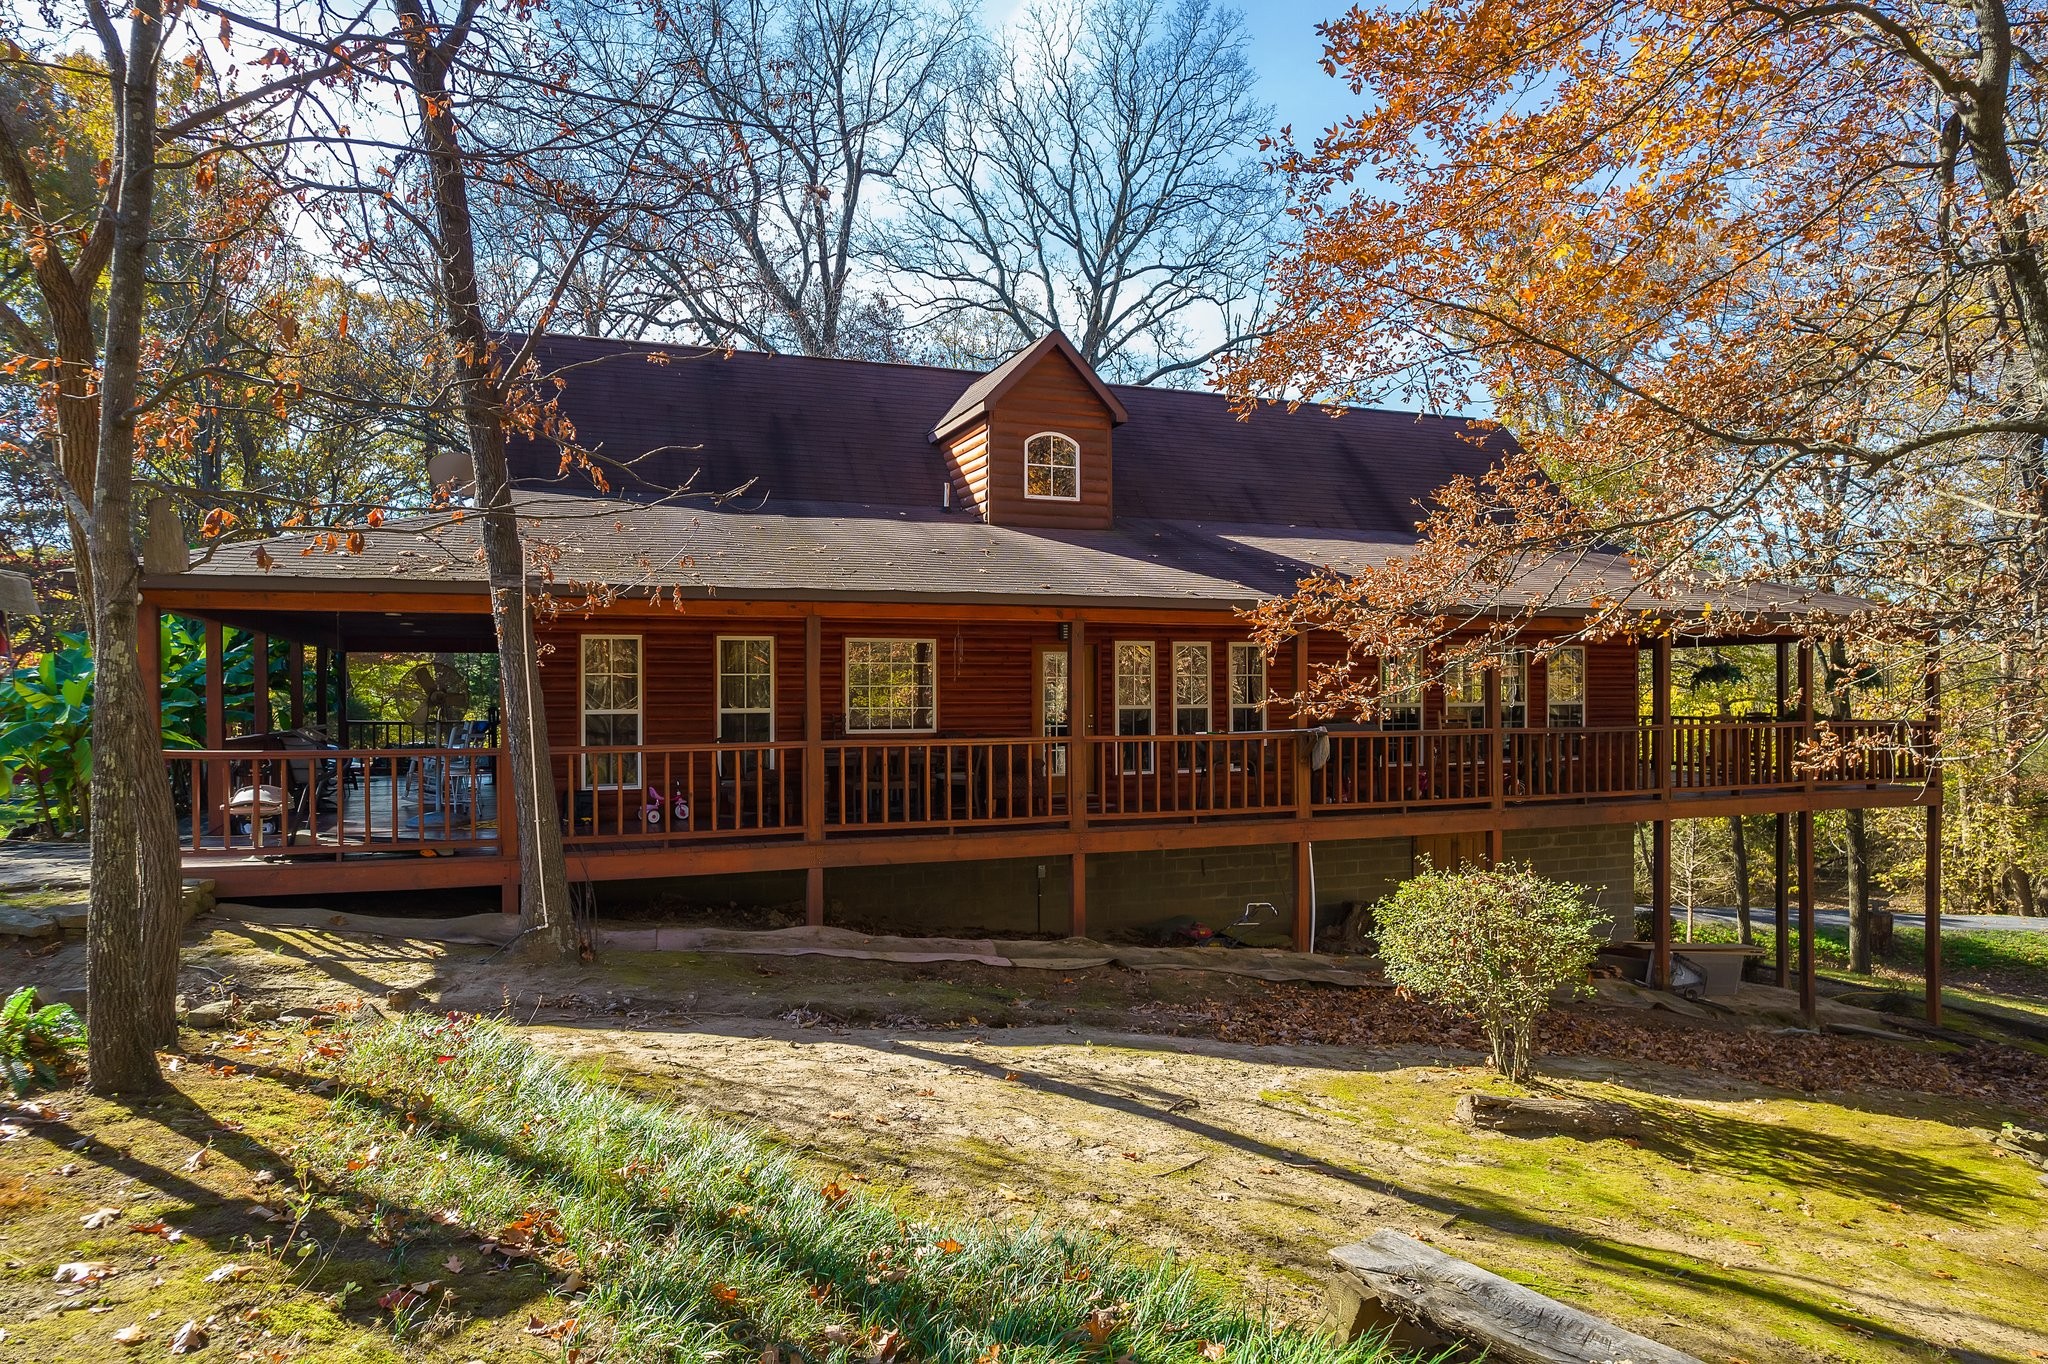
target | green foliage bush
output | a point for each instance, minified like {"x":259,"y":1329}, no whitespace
{"x":1500,"y":944}
{"x":36,"y":1044}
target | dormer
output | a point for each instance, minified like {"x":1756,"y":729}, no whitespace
{"x":1028,"y":443}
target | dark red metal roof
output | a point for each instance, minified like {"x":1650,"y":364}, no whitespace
{"x":794,"y":430}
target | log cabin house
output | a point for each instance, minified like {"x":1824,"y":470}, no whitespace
{"x":963,"y":651}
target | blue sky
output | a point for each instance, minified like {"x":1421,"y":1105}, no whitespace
{"x":1285,"y":49}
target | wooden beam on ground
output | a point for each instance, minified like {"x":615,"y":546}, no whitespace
{"x":1438,"y":1296}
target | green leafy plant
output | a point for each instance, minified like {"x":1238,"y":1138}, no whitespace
{"x":46,"y":740}
{"x":1500,"y":944}
{"x":36,"y":1045}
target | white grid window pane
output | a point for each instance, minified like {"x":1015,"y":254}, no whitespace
{"x":746,"y":690}
{"x":611,"y":708}
{"x":1566,"y":684}
{"x":1190,"y":688}
{"x":891,"y":684}
{"x":1052,"y":467}
{"x":1247,"y":687}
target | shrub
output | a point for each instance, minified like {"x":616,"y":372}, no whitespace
{"x":1498,"y":944}
{"x":36,"y":1044}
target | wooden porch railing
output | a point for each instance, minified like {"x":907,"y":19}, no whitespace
{"x":680,"y":791}
{"x":325,"y":802}
{"x":1580,"y":764}
{"x":938,"y":783}
{"x":332,"y":802}
{"x":409,"y":734}
{"x":1369,"y":770}
{"x":1193,"y":775}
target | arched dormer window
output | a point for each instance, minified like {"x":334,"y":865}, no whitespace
{"x":1052,"y":467}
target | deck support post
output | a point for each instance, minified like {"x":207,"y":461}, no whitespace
{"x":1080,"y":742}
{"x":216,"y":792}
{"x":1782,"y":920}
{"x":1782,"y":904}
{"x":341,"y":697}
{"x":295,"y":681}
{"x":1931,"y":910}
{"x":259,"y":681}
{"x":1077,"y":894}
{"x":814,"y":765}
{"x":1304,"y":895}
{"x":1660,"y":830}
{"x":149,"y":638}
{"x":320,"y":689}
{"x":1808,"y":1001}
{"x":1497,"y":764}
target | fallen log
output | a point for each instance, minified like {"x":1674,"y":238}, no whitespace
{"x":1545,"y":1117}
{"x":1434,"y":1300}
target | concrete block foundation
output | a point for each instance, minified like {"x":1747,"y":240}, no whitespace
{"x":1129,"y":891}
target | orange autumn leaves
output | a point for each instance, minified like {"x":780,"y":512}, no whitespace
{"x":1755,"y":292}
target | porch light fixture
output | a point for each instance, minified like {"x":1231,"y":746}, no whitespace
{"x":1066,"y":630}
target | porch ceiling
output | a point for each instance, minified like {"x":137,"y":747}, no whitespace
{"x":369,"y":631}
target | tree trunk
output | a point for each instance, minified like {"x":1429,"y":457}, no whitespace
{"x":1741,"y":846}
{"x":135,"y":912}
{"x":1858,"y":825}
{"x":547,"y":925}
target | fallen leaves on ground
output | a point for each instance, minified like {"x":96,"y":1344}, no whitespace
{"x":189,"y":1339}
{"x":1321,"y":1015}
{"x":100,"y":1217}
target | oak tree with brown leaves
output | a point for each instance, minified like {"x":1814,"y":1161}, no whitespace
{"x":1758,"y":289}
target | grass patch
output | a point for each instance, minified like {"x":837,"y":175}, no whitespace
{"x":183,"y":1172}
{"x":702,"y":1239}
{"x":2010,"y":958}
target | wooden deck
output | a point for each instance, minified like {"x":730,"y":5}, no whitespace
{"x":327,"y":821}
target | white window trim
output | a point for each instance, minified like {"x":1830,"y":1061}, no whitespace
{"x":1208,"y":687}
{"x":1414,"y":705}
{"x":1145,"y":747}
{"x":846,"y":680}
{"x":1051,"y":497}
{"x":719,"y":710}
{"x":1116,"y":683}
{"x":584,"y":712}
{"x":1244,"y":649}
{"x":1550,"y":704}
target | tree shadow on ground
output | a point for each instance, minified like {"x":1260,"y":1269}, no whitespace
{"x":341,"y":1256}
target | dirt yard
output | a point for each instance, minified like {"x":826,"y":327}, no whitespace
{"x":1854,"y":1209}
